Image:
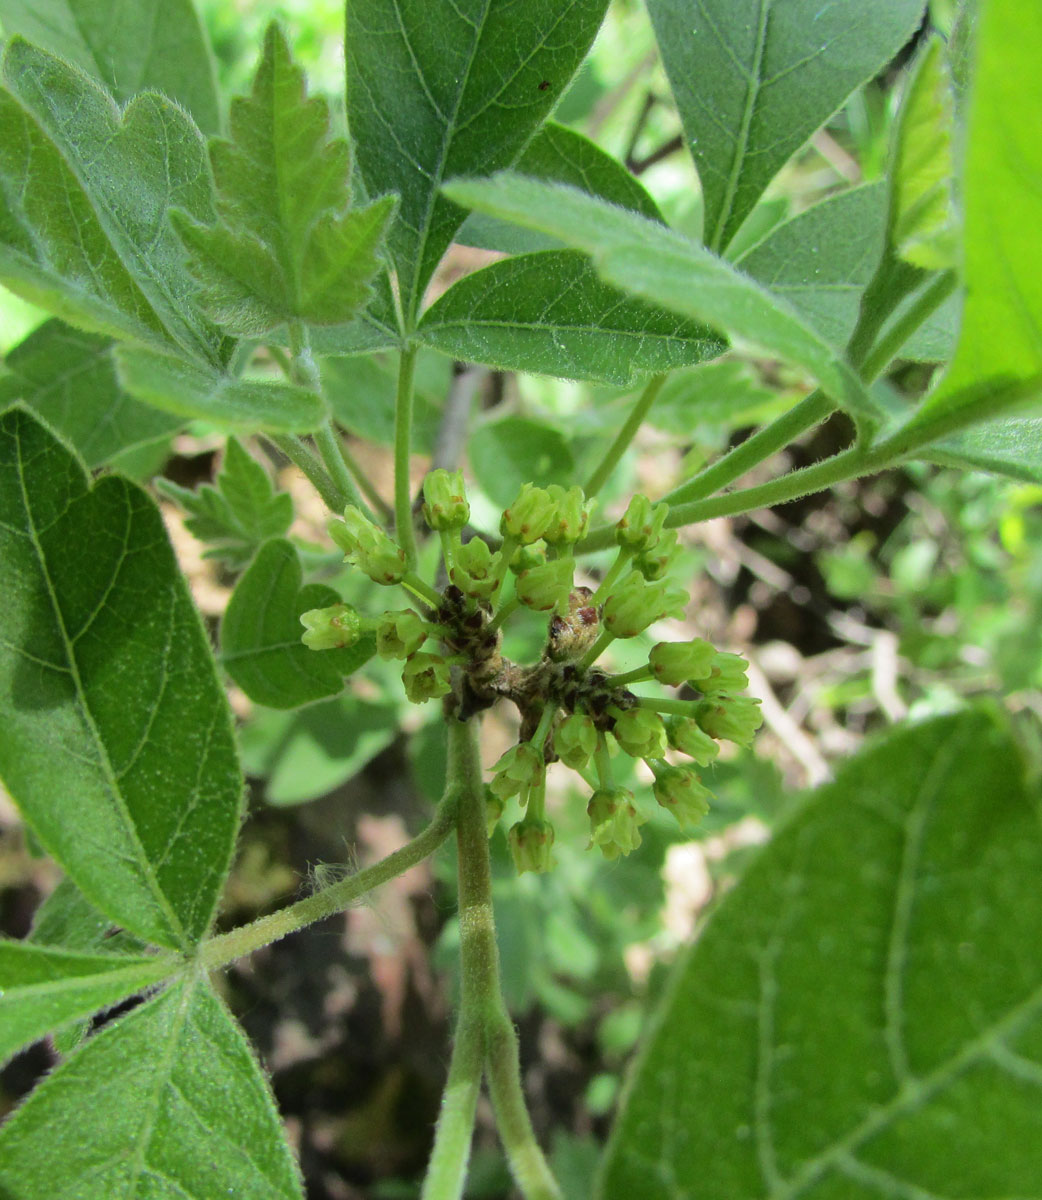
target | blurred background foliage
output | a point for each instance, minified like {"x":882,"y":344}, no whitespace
{"x":891,"y":596}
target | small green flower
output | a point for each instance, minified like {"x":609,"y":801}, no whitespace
{"x":575,"y":740}
{"x":494,"y":809}
{"x":571,"y":516}
{"x":679,"y":791}
{"x":685,"y":735}
{"x":727,"y":674}
{"x":641,"y":733}
{"x":634,"y":605}
{"x":400,"y":633}
{"x":676,"y":662}
{"x":531,"y":842}
{"x":526,"y":519}
{"x":367,"y":547}
{"x":613,"y":821}
{"x":640,"y":526}
{"x":655,"y":563}
{"x":331,"y":628}
{"x":426,"y":676}
{"x":735,"y":718}
{"x":445,"y":500}
{"x":474,"y":571}
{"x":521,"y":767}
{"x":548,"y":586}
{"x":526,"y":557}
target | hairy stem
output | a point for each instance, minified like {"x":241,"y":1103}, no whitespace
{"x":447,"y":1169}
{"x":625,"y":435}
{"x":301,"y":457}
{"x":227,"y":947}
{"x":330,"y":447}
{"x":403,"y":407}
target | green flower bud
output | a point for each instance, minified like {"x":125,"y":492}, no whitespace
{"x":445,"y":500}
{"x":726,"y":673}
{"x":613,"y":821}
{"x":679,"y":790}
{"x":571,"y":516}
{"x":474,"y":571}
{"x":575,"y":740}
{"x":640,"y":526}
{"x":400,"y":633}
{"x":735,"y":718}
{"x":526,"y":519}
{"x":634,"y":605}
{"x":641,"y":733}
{"x":521,"y":767}
{"x":656,"y":562}
{"x":685,"y":735}
{"x":426,"y":676}
{"x":548,"y":586}
{"x":331,"y":628}
{"x":494,"y":809}
{"x":526,"y":557}
{"x":367,"y":547}
{"x":530,"y":845}
{"x":676,"y":662}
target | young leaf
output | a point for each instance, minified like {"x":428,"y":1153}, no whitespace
{"x":132,"y":168}
{"x":867,"y":999}
{"x":549,"y":313}
{"x":998,"y":362}
{"x":289,"y":246}
{"x":151,"y":45}
{"x":238,"y":514}
{"x":645,"y":259}
{"x":1011,"y":446}
{"x":561,"y":155}
{"x":449,"y":87}
{"x":43,"y":988}
{"x":193,"y":390}
{"x":68,"y":378}
{"x":117,"y":741}
{"x":260,"y":634}
{"x":167,"y":1102}
{"x":753,"y":79}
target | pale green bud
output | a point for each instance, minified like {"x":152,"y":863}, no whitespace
{"x":521,"y":767}
{"x":400,"y":633}
{"x":571,"y":516}
{"x":640,"y":526}
{"x":548,"y":586}
{"x":331,"y":628}
{"x":494,"y":809}
{"x":426,"y":676}
{"x":526,"y":557}
{"x":530,"y":844}
{"x":445,"y":500}
{"x":367,"y":547}
{"x":676,"y":662}
{"x":575,"y":740}
{"x":679,"y":791}
{"x":726,"y":673}
{"x":735,"y":718}
{"x":656,"y":562}
{"x":685,"y":735}
{"x":613,"y":821}
{"x":525,"y":521}
{"x":634,"y":605}
{"x":641,"y":733}
{"x":474,"y":571}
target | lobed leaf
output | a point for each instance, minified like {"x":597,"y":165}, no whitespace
{"x":166,"y":1102}
{"x":117,"y":745}
{"x":863,"y":1013}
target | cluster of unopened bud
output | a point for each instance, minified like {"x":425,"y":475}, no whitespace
{"x":572,"y":711}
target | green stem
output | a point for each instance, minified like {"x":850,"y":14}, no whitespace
{"x":602,"y":764}
{"x":480,"y":995}
{"x":614,"y":571}
{"x":761,"y":445}
{"x":889,"y":345}
{"x":504,"y":611}
{"x":625,"y":435}
{"x":403,"y":407}
{"x":421,"y":588}
{"x":330,"y":448}
{"x":227,"y":947}
{"x":301,"y":457}
{"x":447,"y":1169}
{"x":506,"y":552}
{"x":596,"y":650}
{"x":680,"y":708}
{"x":637,"y":675}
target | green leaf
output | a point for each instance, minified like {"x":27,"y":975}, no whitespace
{"x":561,"y":155}
{"x":288,"y":245}
{"x":862,"y":1016}
{"x":117,"y":743}
{"x":260,"y":634}
{"x":192,"y":390}
{"x":131,"y":168}
{"x":643,"y":258}
{"x":716,"y":393}
{"x":151,"y":45}
{"x":306,"y":754}
{"x":923,"y":219}
{"x":1011,"y":446}
{"x":505,"y":454}
{"x":998,"y":361}
{"x":437,"y":88}
{"x":238,"y":514}
{"x":361,"y":392}
{"x":68,"y":378}
{"x":549,"y":313}
{"x":753,"y":79}
{"x":167,"y":1102}
{"x":43,"y":988}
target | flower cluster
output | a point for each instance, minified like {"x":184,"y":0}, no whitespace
{"x":572,"y":711}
